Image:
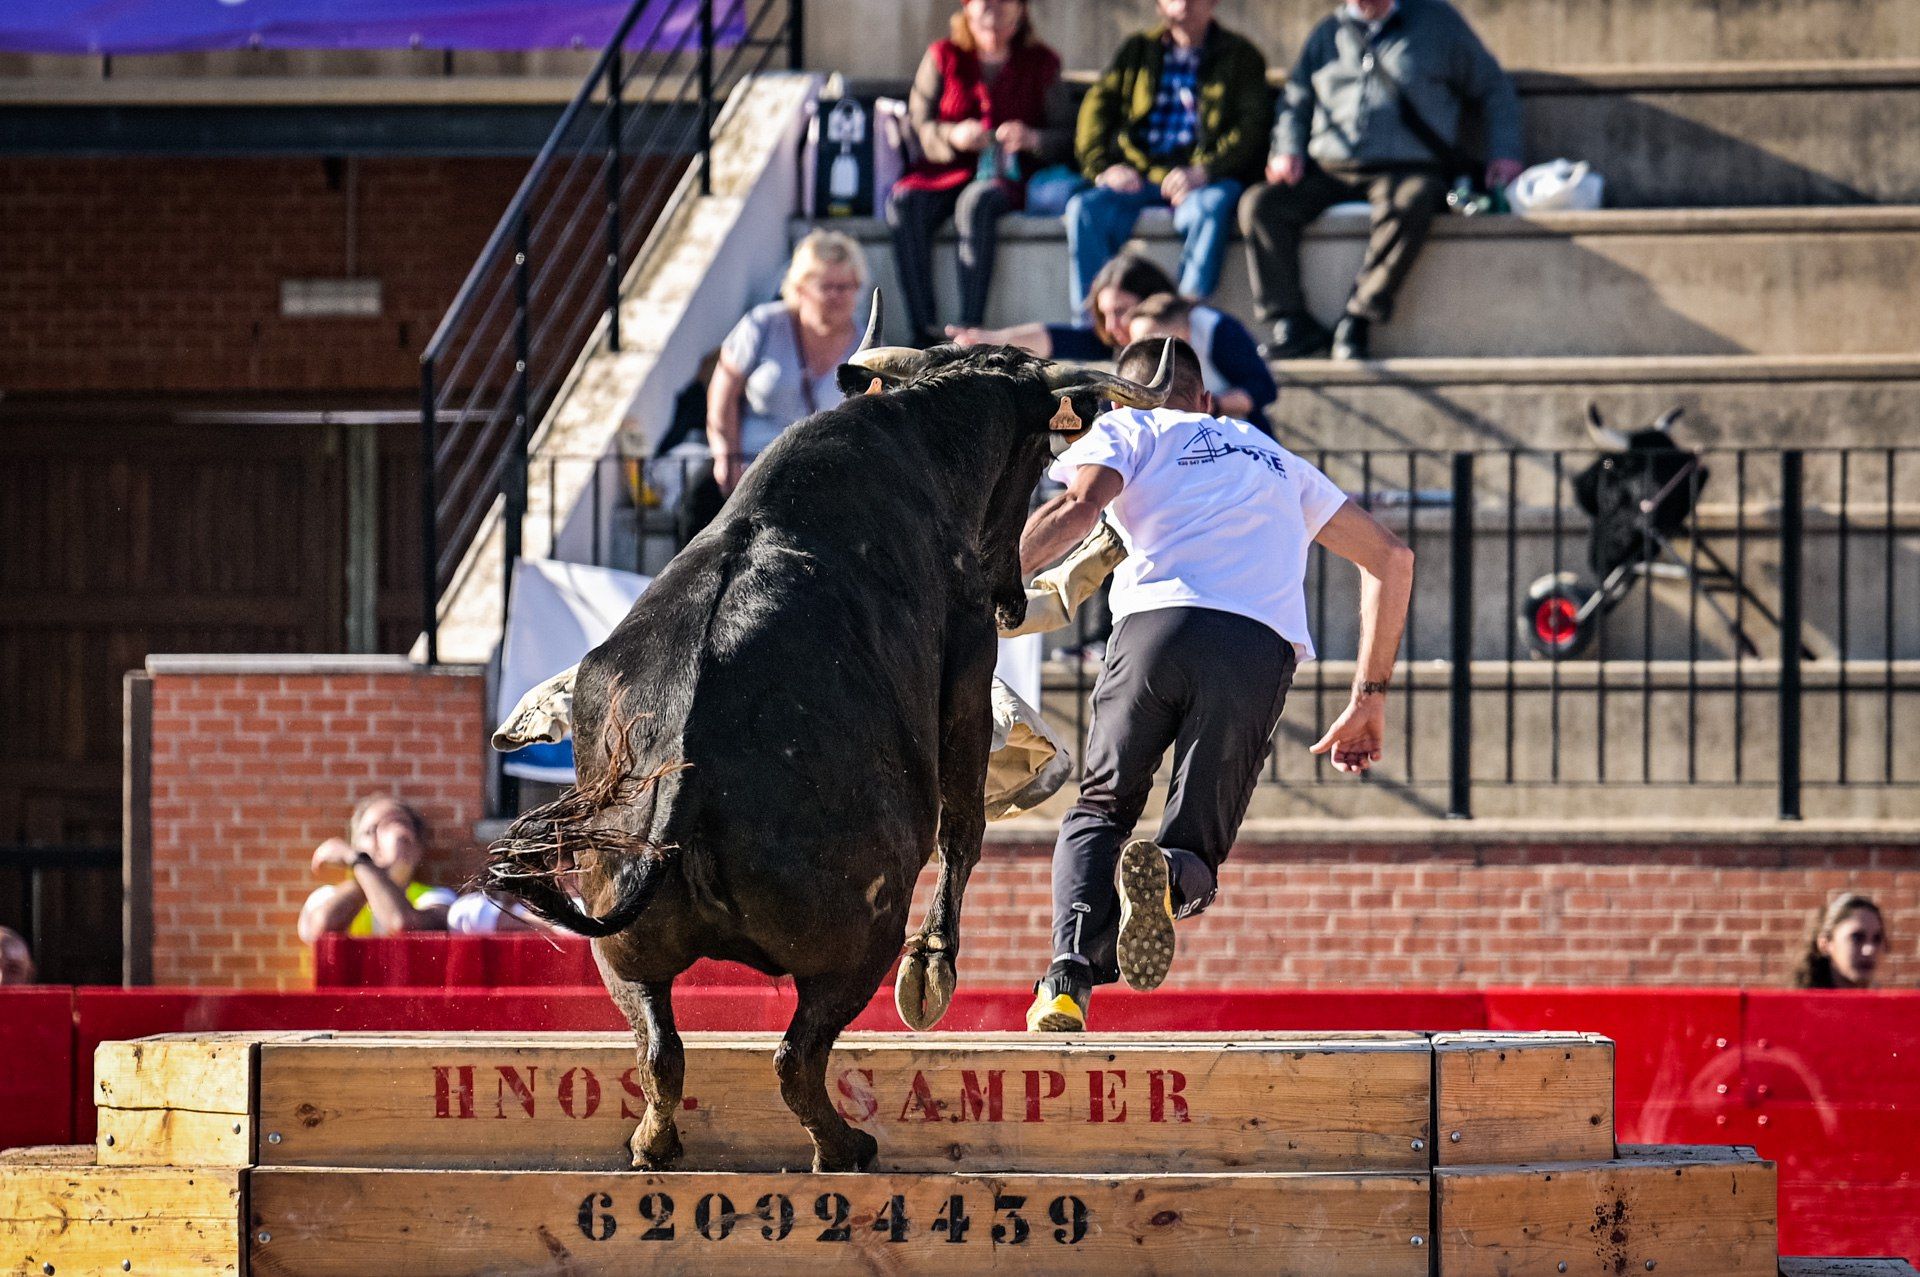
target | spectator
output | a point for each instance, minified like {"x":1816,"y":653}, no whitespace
{"x":481,"y":913}
{"x":1178,"y":118}
{"x":1371,"y":111}
{"x":1844,"y":949}
{"x":778,"y":364}
{"x":988,"y":110}
{"x":1121,"y":286}
{"x":1239,"y":380}
{"x":681,"y":473}
{"x":16,"y":960}
{"x":382,"y":849}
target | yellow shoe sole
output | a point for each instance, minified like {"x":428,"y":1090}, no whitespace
{"x":1145,"y":946}
{"x":1058,"y":1014}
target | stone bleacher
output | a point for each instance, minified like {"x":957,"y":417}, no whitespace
{"x":1752,"y":264}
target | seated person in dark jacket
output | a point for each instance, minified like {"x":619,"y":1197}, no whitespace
{"x":1178,"y":119}
{"x":1346,"y":131}
{"x":1120,"y":287}
{"x":988,"y":109}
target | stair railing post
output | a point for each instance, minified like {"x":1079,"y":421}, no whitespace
{"x":613,"y":198}
{"x":429,"y":515}
{"x":706,"y":97}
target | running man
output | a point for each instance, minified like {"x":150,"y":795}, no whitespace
{"x":1211,"y":621}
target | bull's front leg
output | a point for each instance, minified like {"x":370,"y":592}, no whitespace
{"x":928,"y":971}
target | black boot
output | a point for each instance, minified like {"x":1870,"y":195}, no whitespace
{"x":1295,"y":337}
{"x":1352,"y":337}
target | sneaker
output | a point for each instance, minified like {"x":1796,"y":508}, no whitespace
{"x":1352,"y":338}
{"x":1296,"y":337}
{"x":1059,"y":1004}
{"x":1146,"y":915}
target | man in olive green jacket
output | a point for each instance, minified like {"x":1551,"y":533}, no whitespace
{"x":1180,"y":118}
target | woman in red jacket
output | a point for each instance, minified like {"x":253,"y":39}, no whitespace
{"x":988,"y":109}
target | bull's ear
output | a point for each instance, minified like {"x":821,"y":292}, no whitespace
{"x":1076,"y":412}
{"x":855,"y":380}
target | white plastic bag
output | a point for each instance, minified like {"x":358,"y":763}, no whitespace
{"x":1556,"y":186}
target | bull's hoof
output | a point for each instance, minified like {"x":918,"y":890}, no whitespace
{"x":856,"y":1154}
{"x":656,"y":1152}
{"x":924,"y":988}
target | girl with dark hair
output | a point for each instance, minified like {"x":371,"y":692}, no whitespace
{"x":1229,"y":357}
{"x":1845,"y":946}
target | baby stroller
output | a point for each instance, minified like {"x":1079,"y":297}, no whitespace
{"x":1640,"y":496}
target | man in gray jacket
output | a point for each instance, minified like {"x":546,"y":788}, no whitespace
{"x":1371,"y":111}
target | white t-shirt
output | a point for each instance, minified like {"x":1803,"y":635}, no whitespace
{"x":1214,"y":514}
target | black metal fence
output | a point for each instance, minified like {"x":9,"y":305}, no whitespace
{"x":553,"y":269}
{"x":1757,"y":624}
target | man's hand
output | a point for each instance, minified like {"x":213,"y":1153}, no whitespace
{"x":1182,"y":182}
{"x":1355,"y":737}
{"x":968,"y":135}
{"x":334,"y":853}
{"x":1501,"y":173}
{"x":1286,"y":170}
{"x":1016,"y":136}
{"x":1124,"y":178}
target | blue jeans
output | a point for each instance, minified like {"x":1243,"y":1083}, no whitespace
{"x":1099,"y":222}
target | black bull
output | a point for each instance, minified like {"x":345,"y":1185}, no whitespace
{"x":774,"y":741}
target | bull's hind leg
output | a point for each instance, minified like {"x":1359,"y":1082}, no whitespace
{"x":648,"y":1007}
{"x":828,"y":1004}
{"x":924,"y":987}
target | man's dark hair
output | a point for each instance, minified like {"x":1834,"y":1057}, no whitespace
{"x":1141,"y":360}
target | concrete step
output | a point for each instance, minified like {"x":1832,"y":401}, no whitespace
{"x":1734,"y":136}
{"x":1730,"y":400}
{"x":1714,"y":135}
{"x":1777,"y":281}
{"x":887,"y":37}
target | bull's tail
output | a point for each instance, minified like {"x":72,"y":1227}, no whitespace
{"x":606,"y":822}
{"x":529,"y":863}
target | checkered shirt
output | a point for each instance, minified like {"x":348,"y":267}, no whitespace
{"x":1174,"y":120}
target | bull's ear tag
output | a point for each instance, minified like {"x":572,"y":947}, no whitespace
{"x":876,"y":387}
{"x":1066,"y":421}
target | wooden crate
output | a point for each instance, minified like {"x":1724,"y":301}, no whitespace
{"x":60,"y":1213}
{"x":1522,"y":1097}
{"x":316,"y":1222}
{"x":1672,"y":1210}
{"x":1275,"y":1102}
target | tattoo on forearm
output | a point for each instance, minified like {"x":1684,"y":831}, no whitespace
{"x":1372,"y":687}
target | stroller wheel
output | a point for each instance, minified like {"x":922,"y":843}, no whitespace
{"x":1550,"y":620}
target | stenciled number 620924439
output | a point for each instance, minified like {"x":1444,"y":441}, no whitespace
{"x":773,"y":1218}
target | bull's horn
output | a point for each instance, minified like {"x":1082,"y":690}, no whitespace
{"x":889,"y":361}
{"x":1122,"y":391}
{"x":1603,"y":435}
{"x":1667,"y":418}
{"x":873,"y":324}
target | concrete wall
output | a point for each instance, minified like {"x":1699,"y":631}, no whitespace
{"x":887,"y":37}
{"x":1670,"y":282}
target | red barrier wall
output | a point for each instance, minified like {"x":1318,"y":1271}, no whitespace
{"x":1824,"y":1084}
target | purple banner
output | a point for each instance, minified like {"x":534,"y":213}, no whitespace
{"x":179,"y":26}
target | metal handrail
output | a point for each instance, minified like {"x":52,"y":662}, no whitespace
{"x":500,"y":355}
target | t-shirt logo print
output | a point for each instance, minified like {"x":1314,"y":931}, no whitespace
{"x":1208,"y":445}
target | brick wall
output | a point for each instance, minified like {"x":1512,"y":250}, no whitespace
{"x":253,"y":770}
{"x":1471,"y":915}
{"x":137,"y":274}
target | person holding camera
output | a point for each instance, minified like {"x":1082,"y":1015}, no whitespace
{"x":1372,"y":110}
{"x":378,"y":897}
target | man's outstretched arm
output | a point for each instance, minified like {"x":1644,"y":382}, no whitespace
{"x":1064,"y":522}
{"x":1386,"y":583}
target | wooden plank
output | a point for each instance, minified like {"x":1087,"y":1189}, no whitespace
{"x":986,"y":1104}
{"x":319,"y":1222}
{"x":173,"y":1137}
{"x":201,"y":1072}
{"x":1522,"y":1097}
{"x":61,"y":1214}
{"x":1674,"y":1211}
{"x":1810,"y":1267}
